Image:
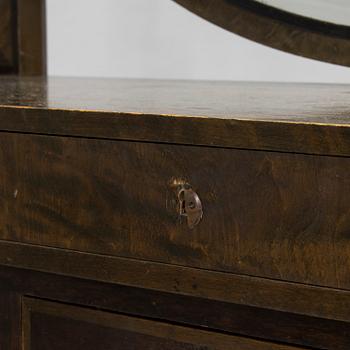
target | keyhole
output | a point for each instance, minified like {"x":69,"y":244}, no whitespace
{"x":191,"y":205}
{"x":183,"y":207}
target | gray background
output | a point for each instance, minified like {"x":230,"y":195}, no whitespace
{"x":159,"y":39}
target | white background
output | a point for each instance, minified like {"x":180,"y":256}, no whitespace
{"x":159,"y":39}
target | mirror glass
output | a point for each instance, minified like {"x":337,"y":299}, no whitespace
{"x":332,"y":11}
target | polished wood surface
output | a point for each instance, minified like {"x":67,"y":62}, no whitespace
{"x":278,"y":102}
{"x":268,"y":214}
{"x":305,"y":118}
{"x":52,"y":326}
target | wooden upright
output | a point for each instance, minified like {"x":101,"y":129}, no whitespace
{"x":22,"y":37}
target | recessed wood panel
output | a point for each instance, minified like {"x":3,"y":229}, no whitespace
{"x":260,"y":323}
{"x":52,"y":326}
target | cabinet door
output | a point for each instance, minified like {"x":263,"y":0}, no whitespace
{"x":54,"y":326}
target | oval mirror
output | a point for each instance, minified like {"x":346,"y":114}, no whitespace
{"x":318,"y":29}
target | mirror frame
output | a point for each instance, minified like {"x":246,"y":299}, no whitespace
{"x":276,"y":28}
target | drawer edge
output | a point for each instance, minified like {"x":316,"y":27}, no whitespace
{"x":259,"y":292}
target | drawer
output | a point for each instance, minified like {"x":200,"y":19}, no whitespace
{"x":53,"y":326}
{"x":277,"y":215}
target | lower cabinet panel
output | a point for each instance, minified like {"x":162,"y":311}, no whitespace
{"x":55,"y":326}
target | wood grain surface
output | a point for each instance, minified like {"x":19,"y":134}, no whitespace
{"x":297,"y":298}
{"x":7,"y":37}
{"x":303,"y":118}
{"x":196,"y":311}
{"x":289,"y":102}
{"x":10,"y":318}
{"x":22,"y":37}
{"x":31,"y":37}
{"x":52,"y":326}
{"x":268,"y":214}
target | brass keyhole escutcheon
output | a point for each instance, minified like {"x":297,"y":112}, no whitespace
{"x":190,"y":205}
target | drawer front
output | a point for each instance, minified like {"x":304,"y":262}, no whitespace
{"x":269,"y":214}
{"x":53,"y":326}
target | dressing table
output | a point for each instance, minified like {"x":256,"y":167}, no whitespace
{"x":145,"y":214}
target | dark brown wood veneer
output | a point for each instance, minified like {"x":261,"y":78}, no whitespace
{"x":91,"y":237}
{"x":22,"y":37}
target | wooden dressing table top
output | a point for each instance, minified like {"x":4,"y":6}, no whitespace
{"x":94,"y":227}
{"x":303,"y":118}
